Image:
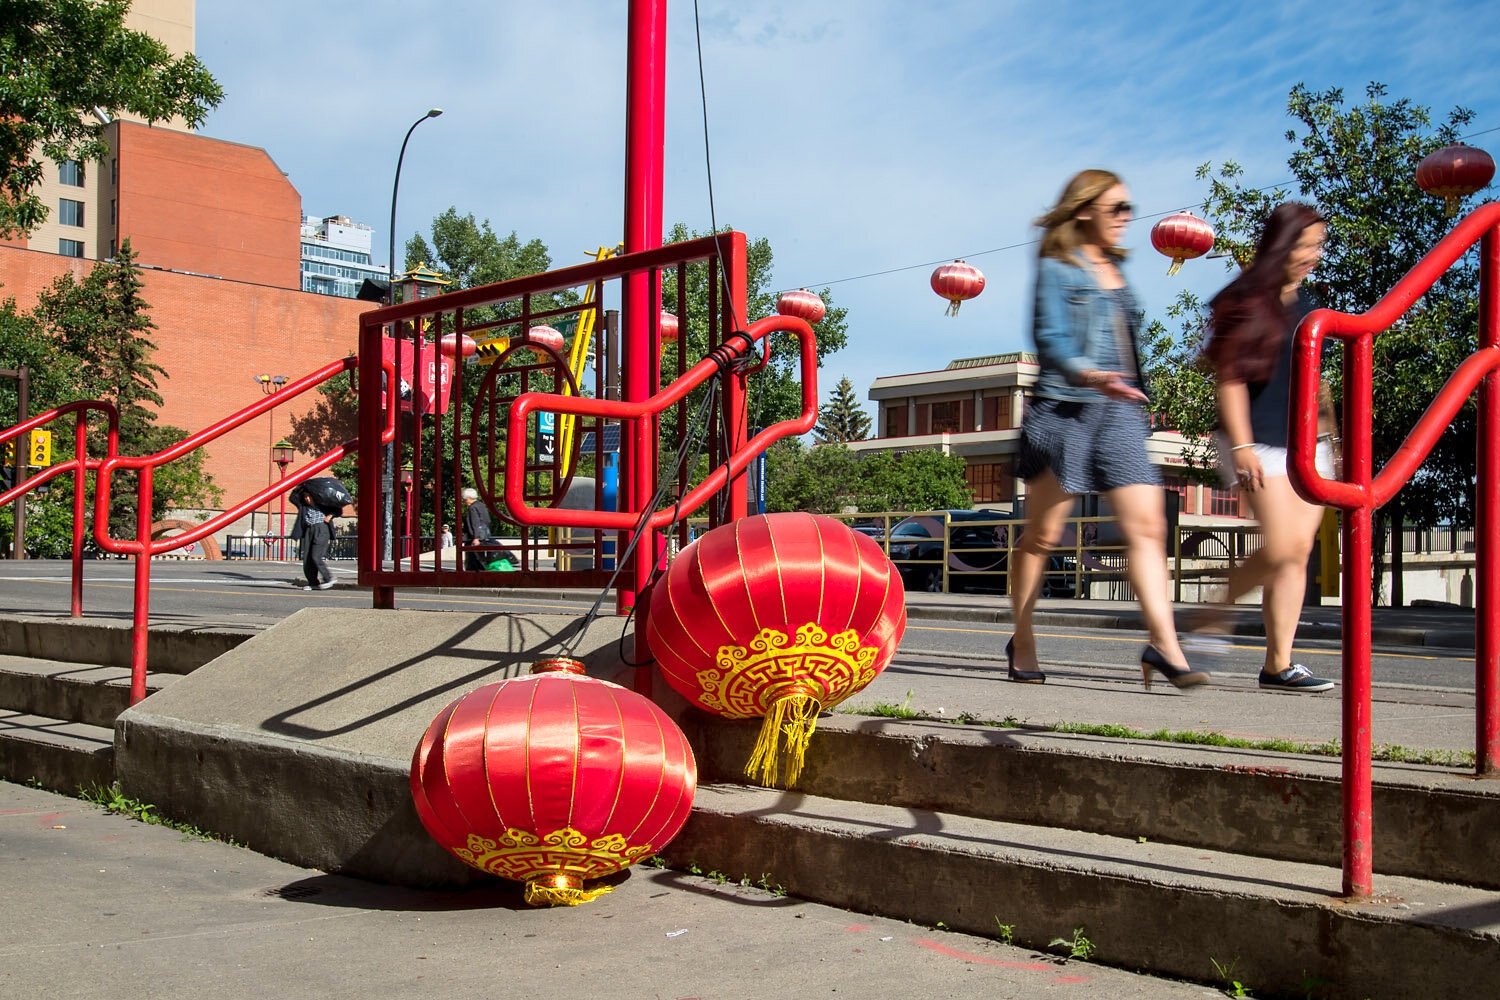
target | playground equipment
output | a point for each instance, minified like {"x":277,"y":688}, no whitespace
{"x":1361,"y":491}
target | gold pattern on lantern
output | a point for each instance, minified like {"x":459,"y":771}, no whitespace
{"x":521,"y":855}
{"x":814,"y":664}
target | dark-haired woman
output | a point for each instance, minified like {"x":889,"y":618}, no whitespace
{"x":1250,"y":351}
{"x":1085,"y":430}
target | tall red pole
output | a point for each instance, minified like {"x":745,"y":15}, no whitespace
{"x":1487,"y":523}
{"x":645,"y":156}
{"x":1359,"y":853}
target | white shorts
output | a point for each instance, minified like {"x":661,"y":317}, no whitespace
{"x":1272,"y":460}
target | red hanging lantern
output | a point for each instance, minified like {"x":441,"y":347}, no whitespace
{"x":547,"y":337}
{"x":456,"y":343}
{"x":668,"y":325}
{"x":776,"y":616}
{"x":1182,"y":236}
{"x":1455,"y":172}
{"x":957,"y":282}
{"x":803,"y":304}
{"x":552,"y":779}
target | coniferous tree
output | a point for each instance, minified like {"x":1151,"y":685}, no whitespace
{"x":841,"y":419}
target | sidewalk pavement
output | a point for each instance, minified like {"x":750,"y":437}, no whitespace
{"x":104,"y":906}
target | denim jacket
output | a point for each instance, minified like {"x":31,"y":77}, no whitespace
{"x":1072,"y":324}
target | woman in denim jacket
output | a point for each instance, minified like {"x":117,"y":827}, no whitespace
{"x":1085,"y":430}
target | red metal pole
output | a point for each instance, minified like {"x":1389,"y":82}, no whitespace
{"x":1487,"y":523}
{"x":1358,"y":813}
{"x":80,"y":455}
{"x":734,"y":384}
{"x":645,"y":142}
{"x":142,"y":615}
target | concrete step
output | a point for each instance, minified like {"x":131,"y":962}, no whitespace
{"x":91,"y":694}
{"x":170,"y":648}
{"x":1430,"y":822}
{"x":55,"y":754}
{"x":1143,"y":905}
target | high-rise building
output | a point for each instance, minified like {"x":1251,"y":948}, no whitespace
{"x":336,"y":256}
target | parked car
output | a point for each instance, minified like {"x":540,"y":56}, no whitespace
{"x":977,"y":553}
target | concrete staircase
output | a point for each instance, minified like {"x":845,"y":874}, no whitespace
{"x":1168,"y":858}
{"x":64,"y":681}
{"x":1164,"y":858}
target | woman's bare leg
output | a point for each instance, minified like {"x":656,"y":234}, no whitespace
{"x":1289,"y":526}
{"x":1047,"y":509}
{"x":1143,"y":521}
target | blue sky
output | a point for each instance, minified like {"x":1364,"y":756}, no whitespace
{"x":856,"y":136}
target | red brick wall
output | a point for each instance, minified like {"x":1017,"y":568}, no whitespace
{"x":212,"y":338}
{"x":197,"y":204}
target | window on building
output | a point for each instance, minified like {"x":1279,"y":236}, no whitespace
{"x":1224,"y":502}
{"x":69,"y":212}
{"x":947,"y":417}
{"x":114,"y":171}
{"x":70,"y":248}
{"x":112,"y":249}
{"x":114,"y":212}
{"x":1184,"y":489}
{"x":70,"y":172}
{"x":895,"y":422}
{"x":989,"y":482}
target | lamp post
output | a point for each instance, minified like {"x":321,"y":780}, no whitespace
{"x":408,"y":475}
{"x":269,"y":386}
{"x":281,"y":454}
{"x":390,"y":449}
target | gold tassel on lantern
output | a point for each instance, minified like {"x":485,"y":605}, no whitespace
{"x":1176,"y":266}
{"x":794,"y":718}
{"x":561,"y":890}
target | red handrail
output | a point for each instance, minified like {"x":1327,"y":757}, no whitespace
{"x":732,"y":349}
{"x":1361,"y":492}
{"x":143,"y":547}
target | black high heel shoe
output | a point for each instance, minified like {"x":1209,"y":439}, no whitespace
{"x":1181,"y":677}
{"x":1020,"y":676}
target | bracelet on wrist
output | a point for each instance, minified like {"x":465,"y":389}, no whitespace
{"x":1241,"y":447}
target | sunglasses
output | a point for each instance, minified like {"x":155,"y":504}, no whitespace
{"x":1120,"y":208}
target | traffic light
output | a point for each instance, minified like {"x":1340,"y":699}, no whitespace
{"x":41,"y":449}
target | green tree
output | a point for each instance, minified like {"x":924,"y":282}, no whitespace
{"x":920,"y":479}
{"x":60,"y":60}
{"x":1357,"y":164}
{"x":470,"y":253}
{"x":842,"y":419}
{"x":827,"y":478}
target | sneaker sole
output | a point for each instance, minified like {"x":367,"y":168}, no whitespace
{"x":1298,"y":689}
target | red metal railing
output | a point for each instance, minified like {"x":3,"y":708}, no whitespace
{"x":468,"y":444}
{"x":143,"y":546}
{"x":1361,"y":492}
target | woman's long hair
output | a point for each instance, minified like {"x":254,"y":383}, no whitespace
{"x":1247,"y":319}
{"x":1061,"y":235}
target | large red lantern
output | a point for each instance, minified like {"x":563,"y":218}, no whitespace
{"x":803,"y":304}
{"x":1182,"y":236}
{"x":776,"y":616}
{"x":1455,"y":172}
{"x":669,"y":326}
{"x":552,"y":779}
{"x":957,"y":282}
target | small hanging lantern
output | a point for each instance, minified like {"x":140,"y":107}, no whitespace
{"x":460,"y":344}
{"x":668,"y":326}
{"x":546,"y":336}
{"x":803,"y":304}
{"x":1182,"y":236}
{"x":1455,"y":172}
{"x":957,"y":282}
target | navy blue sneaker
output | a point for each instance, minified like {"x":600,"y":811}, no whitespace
{"x":1294,"y":678}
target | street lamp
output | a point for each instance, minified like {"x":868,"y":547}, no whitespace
{"x":407,"y":478}
{"x":281,"y":454}
{"x":390,"y":449}
{"x":269,"y":386}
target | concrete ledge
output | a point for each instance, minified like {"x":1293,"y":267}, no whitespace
{"x":77,"y":692}
{"x":171,"y":649}
{"x":1430,"y":822}
{"x":1144,"y":906}
{"x":62,"y":756}
{"x":298,"y":742}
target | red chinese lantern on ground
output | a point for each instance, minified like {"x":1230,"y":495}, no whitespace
{"x":669,"y":326}
{"x":1182,"y":236}
{"x":1455,"y":172}
{"x":957,"y":282}
{"x":776,"y":616}
{"x":803,"y":304}
{"x":456,"y":343}
{"x":552,"y":779}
